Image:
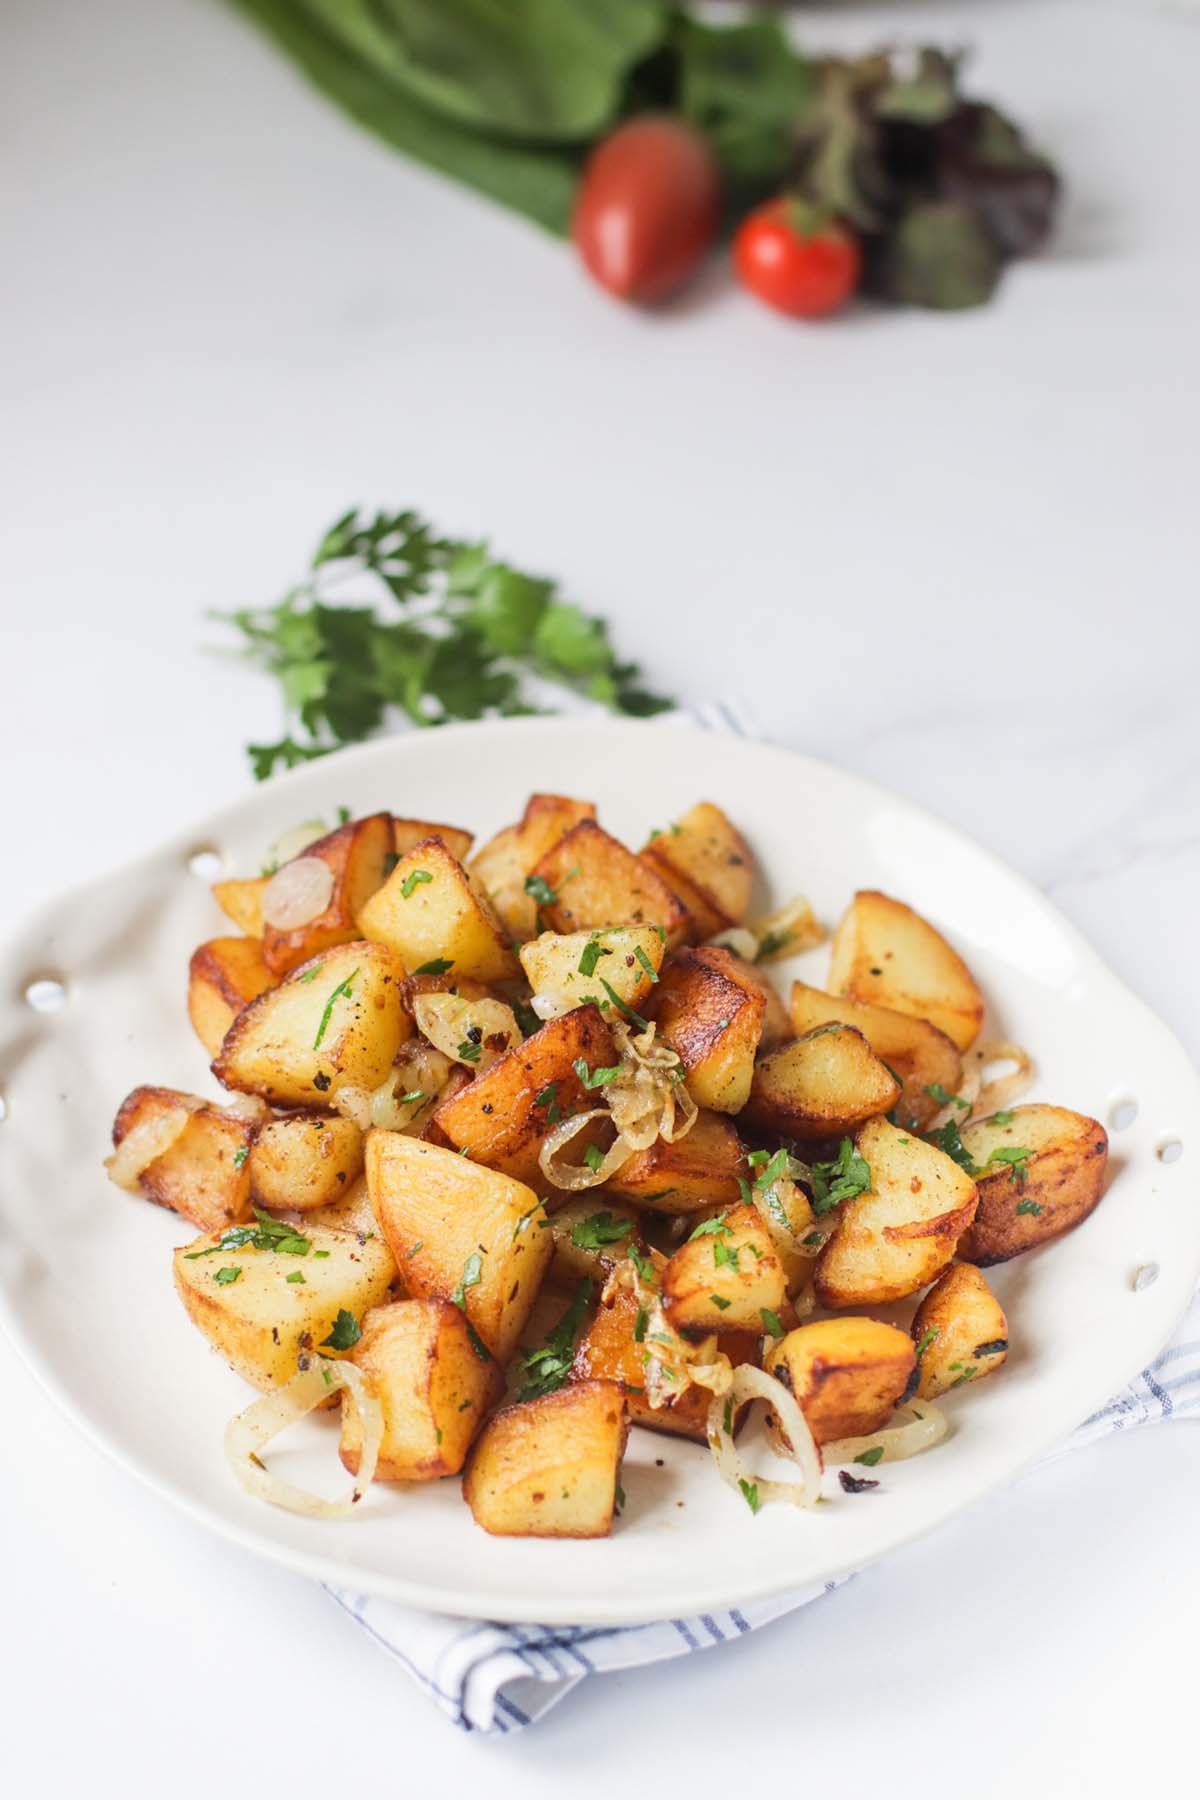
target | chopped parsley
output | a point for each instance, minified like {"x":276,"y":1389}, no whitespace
{"x":593,"y":1156}
{"x":342,"y":990}
{"x":949,"y":1141}
{"x":540,"y":891}
{"x":472,"y":1275}
{"x":749,"y":1493}
{"x":345,"y":1334}
{"x":600,"y":1229}
{"x":622,"y":1007}
{"x":593,"y":950}
{"x":725,"y":1256}
{"x":1016,"y":1159}
{"x":549,"y":1099}
{"x":468,"y":1050}
{"x":965,"y":1376}
{"x":719,"y":1302}
{"x":642,"y":1264}
{"x":410,"y":1099}
{"x":640,"y":1324}
{"x":412,"y":881}
{"x":296,"y":1278}
{"x":309,"y":975}
{"x":524,"y":1219}
{"x":927,"y":1338}
{"x":870,"y":1457}
{"x":714,"y":1227}
{"x":813,"y":1239}
{"x":547,"y":1369}
{"x":649,"y":967}
{"x":1002,"y":1118}
{"x":225,"y":1277}
{"x":595,"y":1078}
{"x":727,"y":1418}
{"x":846,"y":1176}
{"x":437,"y":965}
{"x":770,"y":1321}
{"x":240,"y":1155}
{"x":944,"y":1097}
{"x":771,"y":944}
{"x":267,"y":1234}
{"x":1030,"y":1207}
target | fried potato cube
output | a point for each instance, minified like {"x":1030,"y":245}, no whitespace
{"x":614,"y":1349}
{"x":820,"y":1086}
{"x":433,"y":1386}
{"x":506,"y":860}
{"x":960,"y":1332}
{"x":427,"y":911}
{"x":264,"y":1324}
{"x":460,"y":1232}
{"x":726,"y":1278}
{"x":901,"y":1233}
{"x":707,"y":862}
{"x":712,"y":1017}
{"x":337,"y":1022}
{"x":588,"y":881}
{"x":408,"y":833}
{"x":591,"y":1233}
{"x":241,"y":901}
{"x":349,"y":1211}
{"x":224,"y":976}
{"x":503,"y":1118}
{"x":922,"y":1056}
{"x":847,"y":1374}
{"x":777,"y":1025}
{"x":549,"y":1467}
{"x":1028,"y":1200}
{"x":627,"y":956}
{"x":696,"y":1171}
{"x":202,"y":1176}
{"x":356,"y":855}
{"x":304,"y":1161}
{"x":886,"y":954}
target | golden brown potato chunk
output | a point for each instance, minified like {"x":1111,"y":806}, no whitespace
{"x":960,"y":1332}
{"x":506,"y":861}
{"x":1025,"y":1200}
{"x":900,"y":1233}
{"x":824,"y":1084}
{"x":241,"y":901}
{"x":712,"y":1017}
{"x":588,"y":881}
{"x":408,"y":833}
{"x":356,"y":854}
{"x":432,"y":1383}
{"x":777,"y":1025}
{"x":614,"y":1349}
{"x":568,"y":968}
{"x":886,"y":954}
{"x":727,"y":1277}
{"x":696,"y":1171}
{"x":503,"y":1118}
{"x":304,"y":1161}
{"x":337,"y":1022}
{"x":224,"y":976}
{"x":707,"y":862}
{"x":917,"y":1052}
{"x":549,"y":1467}
{"x":264,"y":1324}
{"x":460,"y":1232}
{"x":428,"y":913}
{"x":350,"y":1211}
{"x":847,"y":1374}
{"x":203,"y":1175}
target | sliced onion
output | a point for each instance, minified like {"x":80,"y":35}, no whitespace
{"x":796,"y":1256}
{"x":795,"y":1440}
{"x":473,"y":1032}
{"x":149,"y":1140}
{"x":1003,"y":1089}
{"x":794,"y":927}
{"x":250,"y":1431}
{"x":551,"y":1006}
{"x":248,"y":1107}
{"x":354,"y":1103}
{"x":741,"y":941}
{"x":648,"y":1100}
{"x":920,"y":1428}
{"x":297,"y":894}
{"x":572,"y":1177}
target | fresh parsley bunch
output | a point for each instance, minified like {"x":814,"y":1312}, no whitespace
{"x":391,"y":616}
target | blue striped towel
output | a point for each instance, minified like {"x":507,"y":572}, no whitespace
{"x":498,"y":1678}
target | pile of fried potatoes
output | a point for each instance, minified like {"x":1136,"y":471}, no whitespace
{"x":530,"y":1144}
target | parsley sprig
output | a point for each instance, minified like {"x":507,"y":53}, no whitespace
{"x":547,"y":1368}
{"x":832,"y":1182}
{"x":390,"y":616}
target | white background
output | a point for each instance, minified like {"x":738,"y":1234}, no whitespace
{"x":957,"y":554}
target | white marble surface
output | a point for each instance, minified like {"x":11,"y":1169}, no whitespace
{"x":955,"y":554}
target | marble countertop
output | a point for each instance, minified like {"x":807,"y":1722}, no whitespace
{"x":955,"y":554}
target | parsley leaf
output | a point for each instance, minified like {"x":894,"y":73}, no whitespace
{"x":342,"y":990}
{"x":345,"y":1334}
{"x":870,"y":1457}
{"x":944,"y":1097}
{"x":547,"y":1369}
{"x":1029,"y":1206}
{"x":595,"y":1078}
{"x":540,"y":891}
{"x":438,"y":965}
{"x":770,"y":1321}
{"x":634,"y":1018}
{"x":224,"y":1277}
{"x":749,"y":1493}
{"x":599,"y":1229}
{"x":549,"y":1099}
{"x":949,"y":1141}
{"x":1016,"y":1159}
{"x":649,"y":967}
{"x":472,"y":1275}
{"x":842,"y":1179}
{"x":593,"y":950}
{"x":412,"y":881}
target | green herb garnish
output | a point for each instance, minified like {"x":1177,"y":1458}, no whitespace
{"x":412,"y":881}
{"x":1029,"y":1206}
{"x":771,"y":1321}
{"x":593,"y":950}
{"x":345,"y":1334}
{"x":599,"y":1230}
{"x":649,"y":967}
{"x":343,"y":990}
{"x":595,"y":1078}
{"x":472,"y":1275}
{"x":540,"y":891}
{"x":944,"y":1097}
{"x":842,"y":1179}
{"x":547,"y":1369}
{"x":870,"y":1457}
{"x":438,"y":965}
{"x":549,"y":1099}
{"x":240,"y":1155}
{"x":749,"y":1493}
{"x":634,"y":1018}
{"x":225,"y":1277}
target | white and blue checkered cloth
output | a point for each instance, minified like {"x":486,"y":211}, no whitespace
{"x":498,"y":1678}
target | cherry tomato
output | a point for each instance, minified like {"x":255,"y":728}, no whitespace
{"x":648,"y":207}
{"x":797,"y":258}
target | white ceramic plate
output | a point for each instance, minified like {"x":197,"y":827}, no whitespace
{"x":85,"y":1285}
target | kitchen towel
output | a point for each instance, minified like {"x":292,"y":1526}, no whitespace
{"x":499,"y":1678}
